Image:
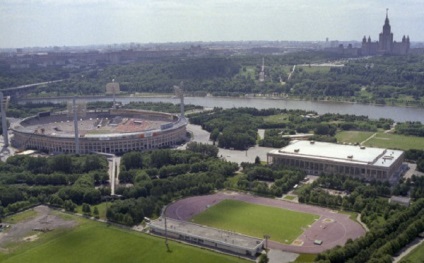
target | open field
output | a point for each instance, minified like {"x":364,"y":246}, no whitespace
{"x":92,"y":241}
{"x":305,"y":258}
{"x":249,"y":73}
{"x":352,"y":136}
{"x":22,"y":216}
{"x":256,"y":220}
{"x":396,"y":141}
{"x":313,"y":69}
{"x":278,"y":118}
{"x":382,"y":140}
{"x":416,"y":255}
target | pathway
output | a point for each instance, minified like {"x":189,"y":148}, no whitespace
{"x":406,"y":250}
{"x":369,"y":138}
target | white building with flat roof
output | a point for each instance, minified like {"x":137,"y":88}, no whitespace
{"x":356,"y":161}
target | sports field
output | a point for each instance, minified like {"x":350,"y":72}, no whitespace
{"x":382,"y":140}
{"x":97,"y":242}
{"x":256,"y":220}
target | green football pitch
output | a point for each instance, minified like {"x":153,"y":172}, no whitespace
{"x":96,"y":242}
{"x":282,"y":225}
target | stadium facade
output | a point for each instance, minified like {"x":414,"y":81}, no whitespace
{"x":356,"y":161}
{"x":113,"y":131}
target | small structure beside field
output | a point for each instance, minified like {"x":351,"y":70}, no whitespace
{"x":406,"y":201}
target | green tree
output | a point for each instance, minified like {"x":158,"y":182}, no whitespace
{"x":132,"y":160}
{"x":96,"y":212}
{"x":86,"y":209}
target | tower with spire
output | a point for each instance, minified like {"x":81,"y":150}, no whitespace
{"x":385,"y":44}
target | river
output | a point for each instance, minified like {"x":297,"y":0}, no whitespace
{"x":398,"y":114}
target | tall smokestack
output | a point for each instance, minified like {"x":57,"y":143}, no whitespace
{"x":3,"y":119}
{"x":75,"y":108}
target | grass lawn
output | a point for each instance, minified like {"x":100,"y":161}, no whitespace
{"x":313,"y":69}
{"x":382,"y":140}
{"x":279,"y":118}
{"x":396,"y":141}
{"x":249,"y":73}
{"x":416,"y":255}
{"x":289,"y":197}
{"x":305,"y":258}
{"x":92,"y":241}
{"x":22,"y":216}
{"x":256,"y":220}
{"x":353,"y":136}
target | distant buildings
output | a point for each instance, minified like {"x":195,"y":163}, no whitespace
{"x":384,"y":46}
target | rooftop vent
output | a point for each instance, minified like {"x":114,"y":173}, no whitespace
{"x":388,"y":157}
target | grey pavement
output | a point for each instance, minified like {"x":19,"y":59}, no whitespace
{"x":278,"y":256}
{"x":412,"y":170}
{"x":202,"y":136}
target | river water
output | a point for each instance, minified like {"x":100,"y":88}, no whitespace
{"x":398,"y":114}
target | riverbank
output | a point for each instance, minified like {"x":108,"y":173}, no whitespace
{"x":398,"y":114}
{"x":327,"y":99}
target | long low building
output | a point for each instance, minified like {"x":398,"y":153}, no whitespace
{"x":208,"y":237}
{"x":356,"y":161}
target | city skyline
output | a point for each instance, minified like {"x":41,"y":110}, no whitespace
{"x":93,"y":22}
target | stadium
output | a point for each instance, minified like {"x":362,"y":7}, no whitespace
{"x":112,"y":131}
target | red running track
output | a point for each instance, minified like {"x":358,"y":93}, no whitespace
{"x":332,"y":228}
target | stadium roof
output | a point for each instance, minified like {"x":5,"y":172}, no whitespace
{"x":340,"y":153}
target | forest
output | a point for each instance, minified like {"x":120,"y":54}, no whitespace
{"x":156,"y":178}
{"x":393,"y":80}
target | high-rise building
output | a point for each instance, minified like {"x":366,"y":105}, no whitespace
{"x":385,"y":43}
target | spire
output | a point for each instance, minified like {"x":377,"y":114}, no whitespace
{"x":386,"y":22}
{"x":386,"y":26}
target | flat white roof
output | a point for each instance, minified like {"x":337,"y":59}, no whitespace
{"x":340,"y":153}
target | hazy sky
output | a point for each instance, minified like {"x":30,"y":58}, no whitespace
{"x":25,"y":23}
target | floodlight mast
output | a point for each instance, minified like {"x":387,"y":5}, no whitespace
{"x":75,"y":109}
{"x":180,"y":94}
{"x":114,"y":92}
{"x":3,"y":105}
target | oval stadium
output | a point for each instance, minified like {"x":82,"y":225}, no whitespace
{"x":113,"y":131}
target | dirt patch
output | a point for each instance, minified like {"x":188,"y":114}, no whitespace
{"x":31,"y":238}
{"x":31,"y":229}
{"x":297,"y":242}
{"x":328,"y":220}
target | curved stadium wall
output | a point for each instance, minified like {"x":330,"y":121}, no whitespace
{"x":33,"y":133}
